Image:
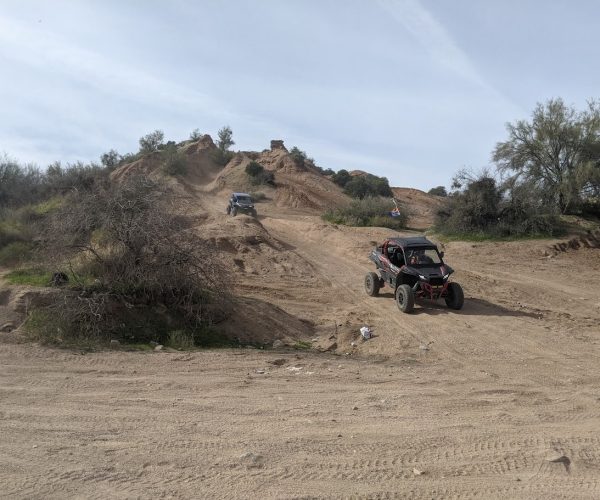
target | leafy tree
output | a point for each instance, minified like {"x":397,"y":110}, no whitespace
{"x":152,"y":142}
{"x":554,"y":150}
{"x":298,"y":156}
{"x":361,"y":186}
{"x":195,"y":135}
{"x":225,"y":139}
{"x":342,"y":177}
{"x":438,"y":191}
{"x":222,"y":155}
{"x":110,"y":159}
{"x":483,"y":206}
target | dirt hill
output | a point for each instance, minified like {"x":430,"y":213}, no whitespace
{"x":498,"y":400}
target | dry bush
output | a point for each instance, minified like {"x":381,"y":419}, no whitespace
{"x":149,"y":273}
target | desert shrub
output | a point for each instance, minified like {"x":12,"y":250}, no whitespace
{"x":15,"y":253}
{"x":258,"y":175}
{"x":151,"y":276}
{"x":483,"y":207}
{"x":181,"y":339}
{"x":438,"y":191}
{"x":361,"y":186}
{"x":298,"y":156}
{"x":151,"y":142}
{"x":19,"y":184}
{"x":110,"y":159}
{"x":342,"y":177}
{"x":174,"y":161}
{"x":195,"y":135}
{"x":370,"y":211}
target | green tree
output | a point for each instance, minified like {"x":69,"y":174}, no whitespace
{"x":225,"y":139}
{"x":110,"y":159}
{"x":555,"y":150}
{"x":342,"y":177}
{"x":438,"y":191}
{"x":152,"y":142}
{"x":195,"y":134}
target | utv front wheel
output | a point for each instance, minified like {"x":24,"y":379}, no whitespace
{"x":455,"y":298}
{"x":405,"y":298}
{"x":234,"y":211}
{"x":372,"y":284}
{"x":228,"y":210}
{"x":253,"y":213}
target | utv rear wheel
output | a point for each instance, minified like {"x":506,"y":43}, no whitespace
{"x":455,"y":298}
{"x":405,"y":298}
{"x":372,"y":284}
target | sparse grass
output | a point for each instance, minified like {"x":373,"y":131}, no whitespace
{"x":34,"y":276}
{"x":302,"y":345}
{"x":48,"y":328}
{"x":180,"y":339}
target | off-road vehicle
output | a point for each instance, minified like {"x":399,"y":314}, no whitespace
{"x":412,"y":267}
{"x":241,"y":202}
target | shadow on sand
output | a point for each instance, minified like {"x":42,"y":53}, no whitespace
{"x":472,"y":307}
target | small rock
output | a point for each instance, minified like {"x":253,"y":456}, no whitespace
{"x":114,"y":342}
{"x":294,"y":368}
{"x":159,"y":347}
{"x":252,"y":459}
{"x":7,"y":327}
{"x":277,"y":344}
{"x":260,"y":371}
{"x":353,"y":344}
{"x":153,"y":343}
{"x":355,"y":407}
{"x":418,"y":472}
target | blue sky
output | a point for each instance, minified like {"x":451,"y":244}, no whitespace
{"x":409,"y":89}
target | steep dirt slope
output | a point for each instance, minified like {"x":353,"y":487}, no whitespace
{"x":298,"y":187}
{"x":422,"y":207}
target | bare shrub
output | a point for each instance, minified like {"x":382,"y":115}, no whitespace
{"x":151,"y":275}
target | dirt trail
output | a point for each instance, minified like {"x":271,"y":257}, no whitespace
{"x":499,"y":400}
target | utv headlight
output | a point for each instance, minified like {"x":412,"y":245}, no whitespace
{"x":422,"y":277}
{"x":446,"y":276}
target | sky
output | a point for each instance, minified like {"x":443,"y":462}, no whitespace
{"x":413,"y":90}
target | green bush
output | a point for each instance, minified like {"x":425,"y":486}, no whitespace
{"x":438,"y":191}
{"x":298,"y":156}
{"x":362,"y":186}
{"x":342,"y":177}
{"x":15,"y":253}
{"x":483,"y":208}
{"x":181,"y":339}
{"x":370,"y":211}
{"x":174,"y":161}
{"x":258,"y":175}
{"x":152,"y":142}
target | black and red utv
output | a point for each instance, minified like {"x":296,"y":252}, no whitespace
{"x":413,"y":268}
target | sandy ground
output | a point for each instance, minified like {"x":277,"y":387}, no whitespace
{"x":499,"y":400}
